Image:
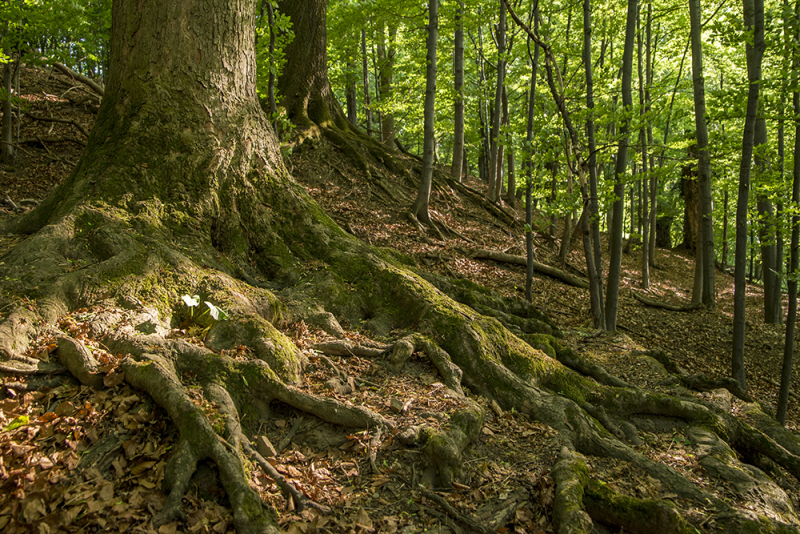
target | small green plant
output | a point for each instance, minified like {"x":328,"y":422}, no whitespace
{"x":216,"y":313}
{"x":192,"y":325}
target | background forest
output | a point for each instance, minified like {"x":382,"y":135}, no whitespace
{"x":627,"y":126}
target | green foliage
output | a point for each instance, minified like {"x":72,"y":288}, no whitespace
{"x":271,"y":63}
{"x":71,"y":31}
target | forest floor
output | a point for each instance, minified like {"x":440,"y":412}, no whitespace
{"x":60,"y":469}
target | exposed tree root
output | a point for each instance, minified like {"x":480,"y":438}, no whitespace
{"x":482,"y":344}
{"x":571,"y":477}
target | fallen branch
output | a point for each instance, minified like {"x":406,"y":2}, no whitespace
{"x":663,"y":305}
{"x":74,"y":123}
{"x":96,"y":87}
{"x":41,"y":140}
{"x":537,"y":266}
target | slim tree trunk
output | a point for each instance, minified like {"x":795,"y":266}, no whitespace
{"x":529,"y":158}
{"x":365,"y":69}
{"x":754,"y":21}
{"x":791,"y":315}
{"x":766,"y":226}
{"x":566,"y":235}
{"x":273,"y":107}
{"x":615,"y":264}
{"x":351,"y":95}
{"x":705,"y":247}
{"x":725,"y":230}
{"x":483,"y":112}
{"x":645,"y":197}
{"x":651,"y":248}
{"x":458,"y":106}
{"x":498,"y":97}
{"x":424,"y":193}
{"x":6,"y":139}
{"x":594,"y":255}
{"x":386,"y":54}
{"x":511,"y":190}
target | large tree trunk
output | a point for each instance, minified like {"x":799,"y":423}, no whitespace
{"x":303,"y":85}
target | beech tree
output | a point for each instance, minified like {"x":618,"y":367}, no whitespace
{"x":753,"y":19}
{"x":705,"y":243}
{"x":424,"y":191}
{"x":182,"y":191}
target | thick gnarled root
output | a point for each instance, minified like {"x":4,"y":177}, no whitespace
{"x":198,"y":441}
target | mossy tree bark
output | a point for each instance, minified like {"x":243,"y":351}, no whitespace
{"x":182,"y":191}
